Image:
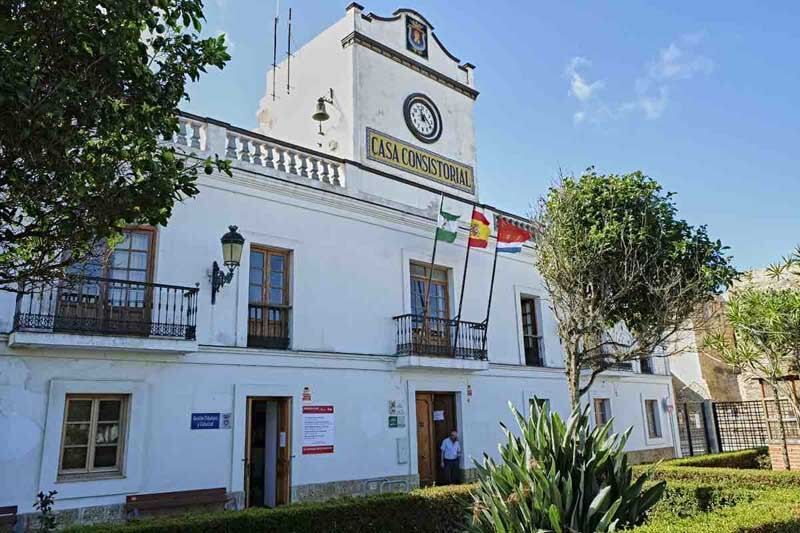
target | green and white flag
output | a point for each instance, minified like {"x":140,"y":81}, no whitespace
{"x":446,"y":226}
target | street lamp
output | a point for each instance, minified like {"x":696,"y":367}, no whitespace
{"x":232,"y":244}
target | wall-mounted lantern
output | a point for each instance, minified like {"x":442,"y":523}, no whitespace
{"x":232,"y":244}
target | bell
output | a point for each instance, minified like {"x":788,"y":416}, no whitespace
{"x":321,"y":114}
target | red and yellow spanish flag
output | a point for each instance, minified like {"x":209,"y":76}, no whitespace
{"x":479,"y":230}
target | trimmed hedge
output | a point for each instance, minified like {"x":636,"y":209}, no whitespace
{"x":770,"y":511}
{"x":723,"y":500}
{"x":731,"y":477}
{"x":432,"y":510}
{"x":740,"y":459}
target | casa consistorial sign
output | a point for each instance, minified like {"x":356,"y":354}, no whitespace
{"x":403,"y":156}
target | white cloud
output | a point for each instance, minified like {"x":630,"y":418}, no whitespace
{"x":579,"y":87}
{"x":677,"y":62}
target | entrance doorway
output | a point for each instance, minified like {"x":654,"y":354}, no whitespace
{"x":268,"y":456}
{"x":436,"y":418}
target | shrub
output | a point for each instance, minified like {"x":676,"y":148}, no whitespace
{"x":756,"y":479}
{"x":771,"y":511}
{"x":740,"y":459}
{"x":560,"y":476}
{"x":439,"y":509}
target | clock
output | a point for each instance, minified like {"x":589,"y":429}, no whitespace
{"x":422,"y":118}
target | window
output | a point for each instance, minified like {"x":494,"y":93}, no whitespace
{"x":531,"y":337}
{"x":93,"y":438}
{"x":602,"y":411}
{"x":438,"y":304}
{"x":543,"y":403}
{"x":268,"y":300}
{"x":119,"y":306}
{"x":653,"y":420}
{"x":646,"y":365}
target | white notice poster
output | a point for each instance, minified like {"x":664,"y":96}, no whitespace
{"x":318,"y":429}
{"x":438,"y":416}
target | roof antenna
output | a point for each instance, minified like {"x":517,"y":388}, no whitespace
{"x":275,"y":47}
{"x":289,"y":54}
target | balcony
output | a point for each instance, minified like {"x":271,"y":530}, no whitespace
{"x":268,"y":326}
{"x":99,"y":313}
{"x":429,"y":342}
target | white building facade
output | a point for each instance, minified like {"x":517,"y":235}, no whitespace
{"x":314,"y":373}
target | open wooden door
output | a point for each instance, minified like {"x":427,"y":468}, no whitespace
{"x":444,"y":421}
{"x":284,"y":463}
{"x":426,"y":457}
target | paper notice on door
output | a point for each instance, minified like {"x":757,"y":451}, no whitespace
{"x":438,"y":416}
{"x":282,"y":439}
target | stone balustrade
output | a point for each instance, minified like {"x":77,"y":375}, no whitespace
{"x":258,"y":150}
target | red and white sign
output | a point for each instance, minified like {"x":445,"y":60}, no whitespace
{"x":306,"y":394}
{"x":318,"y":429}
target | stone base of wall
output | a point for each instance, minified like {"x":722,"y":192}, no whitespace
{"x":317,"y":492}
{"x":98,"y":514}
{"x":650,"y":455}
{"x":776,"y":454}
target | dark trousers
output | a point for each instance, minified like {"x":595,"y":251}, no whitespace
{"x":452,"y":473}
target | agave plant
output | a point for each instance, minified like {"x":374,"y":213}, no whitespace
{"x":560,"y":476}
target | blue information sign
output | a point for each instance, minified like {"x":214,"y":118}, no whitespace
{"x":205,"y":420}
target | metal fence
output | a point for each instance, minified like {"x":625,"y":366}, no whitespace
{"x":694,"y":429}
{"x":740,"y":425}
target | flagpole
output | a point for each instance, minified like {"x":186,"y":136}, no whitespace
{"x":433,"y":260}
{"x":463,"y":284}
{"x":491,"y":287}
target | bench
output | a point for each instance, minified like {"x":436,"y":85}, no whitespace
{"x":171,"y":501}
{"x":8,"y":518}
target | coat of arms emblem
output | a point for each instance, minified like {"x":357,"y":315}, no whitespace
{"x":416,"y":37}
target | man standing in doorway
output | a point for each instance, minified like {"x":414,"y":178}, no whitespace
{"x":451,"y":452}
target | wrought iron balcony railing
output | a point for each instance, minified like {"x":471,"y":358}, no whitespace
{"x":440,"y":337}
{"x":100,"y":306}
{"x":268,"y":326}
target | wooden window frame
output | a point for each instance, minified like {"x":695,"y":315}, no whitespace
{"x":654,"y":432}
{"x":536,"y":318}
{"x":90,"y":471}
{"x":268,"y":251}
{"x":424,"y":279}
{"x":597,"y":406}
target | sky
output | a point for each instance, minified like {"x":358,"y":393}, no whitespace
{"x":701,"y":96}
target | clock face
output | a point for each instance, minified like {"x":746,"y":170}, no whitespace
{"x":422,"y":118}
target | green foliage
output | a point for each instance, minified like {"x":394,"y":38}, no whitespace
{"x":771,"y":511}
{"x":738,"y":459}
{"x":732,"y":477}
{"x":440,"y":509}
{"x":614,"y":253}
{"x":560,"y":476}
{"x":47,"y":521}
{"x":86,"y":91}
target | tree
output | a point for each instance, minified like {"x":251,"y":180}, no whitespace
{"x":87,"y":89}
{"x":623,"y":272}
{"x":558,"y":475}
{"x":765,"y":339}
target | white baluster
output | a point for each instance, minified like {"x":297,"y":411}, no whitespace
{"x":292,"y":165}
{"x":304,"y":165}
{"x":336,"y":178}
{"x":270,"y":161}
{"x":244,"y":155}
{"x":181,"y":139}
{"x":281,"y":159}
{"x":257,"y":154}
{"x":230,"y":151}
{"x":324,"y":175}
{"x":195,"y":142}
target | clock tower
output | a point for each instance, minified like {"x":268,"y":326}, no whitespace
{"x":395,"y":100}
